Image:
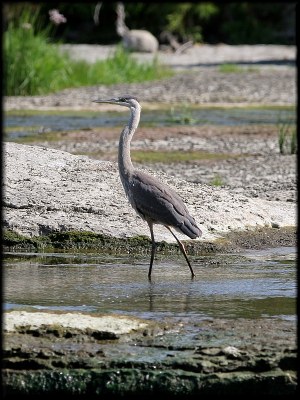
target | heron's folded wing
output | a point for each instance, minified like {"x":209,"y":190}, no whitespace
{"x":160,"y":203}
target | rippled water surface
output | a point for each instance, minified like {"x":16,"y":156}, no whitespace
{"x":252,"y":285}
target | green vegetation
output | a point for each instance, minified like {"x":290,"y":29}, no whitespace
{"x":119,"y":68}
{"x":32,"y":65}
{"x":183,"y":116}
{"x":235,"y":69}
{"x":68,"y":240}
{"x":230,"y":68}
{"x":11,"y":238}
{"x":217,"y":180}
{"x":178,"y":156}
{"x":287,"y":138}
{"x":37,"y":138}
{"x":84,"y":241}
{"x":76,"y":241}
{"x":186,"y":19}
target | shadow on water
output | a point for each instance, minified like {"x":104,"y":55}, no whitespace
{"x":17,"y":126}
{"x":253,"y":285}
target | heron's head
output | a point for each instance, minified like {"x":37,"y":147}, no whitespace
{"x":126,"y":101}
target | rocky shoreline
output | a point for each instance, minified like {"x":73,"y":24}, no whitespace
{"x":98,"y":360}
{"x":55,"y":198}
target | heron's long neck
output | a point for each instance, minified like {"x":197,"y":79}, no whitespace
{"x":122,"y":29}
{"x":124,"y":159}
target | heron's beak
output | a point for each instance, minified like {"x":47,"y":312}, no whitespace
{"x":103,"y":101}
{"x":112,"y":101}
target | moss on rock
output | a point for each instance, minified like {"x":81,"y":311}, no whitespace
{"x":82,"y":240}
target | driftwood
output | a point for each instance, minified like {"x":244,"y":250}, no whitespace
{"x":174,"y":44}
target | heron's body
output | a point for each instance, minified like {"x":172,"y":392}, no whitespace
{"x":159,"y":204}
{"x":155,"y":202}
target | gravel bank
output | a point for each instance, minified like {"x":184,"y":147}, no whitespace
{"x":243,"y":159}
{"x":206,"y":86}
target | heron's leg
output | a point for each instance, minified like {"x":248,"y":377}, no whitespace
{"x":181,"y":246}
{"x":153,"y":248}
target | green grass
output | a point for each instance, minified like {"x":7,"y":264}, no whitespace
{"x":230,"y":68}
{"x":182,"y":116}
{"x":34,"y":66}
{"x":37,"y":138}
{"x":177,"y":156}
{"x":287,"y":138}
{"x":217,"y":180}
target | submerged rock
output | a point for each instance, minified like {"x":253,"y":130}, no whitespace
{"x":215,"y":361}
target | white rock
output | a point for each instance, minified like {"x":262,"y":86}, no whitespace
{"x":106,"y":323}
{"x":48,"y":190}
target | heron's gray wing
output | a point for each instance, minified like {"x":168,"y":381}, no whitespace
{"x":161,"y":204}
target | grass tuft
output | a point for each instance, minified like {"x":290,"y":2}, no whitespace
{"x":287,"y":138}
{"x":230,"y":68}
{"x":217,"y":181}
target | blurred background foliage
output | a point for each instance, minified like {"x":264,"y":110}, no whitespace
{"x":212,"y":23}
{"x":33,"y":63}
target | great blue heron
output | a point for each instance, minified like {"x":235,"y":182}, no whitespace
{"x":134,"y":39}
{"x":155,"y":202}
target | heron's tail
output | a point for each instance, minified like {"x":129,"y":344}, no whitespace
{"x":190,"y":228}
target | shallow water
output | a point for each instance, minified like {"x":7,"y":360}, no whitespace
{"x":252,"y":285}
{"x":16,"y":126}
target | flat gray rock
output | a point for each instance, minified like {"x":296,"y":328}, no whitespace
{"x":47,"y":190}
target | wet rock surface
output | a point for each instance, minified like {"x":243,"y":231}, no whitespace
{"x":221,"y":356}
